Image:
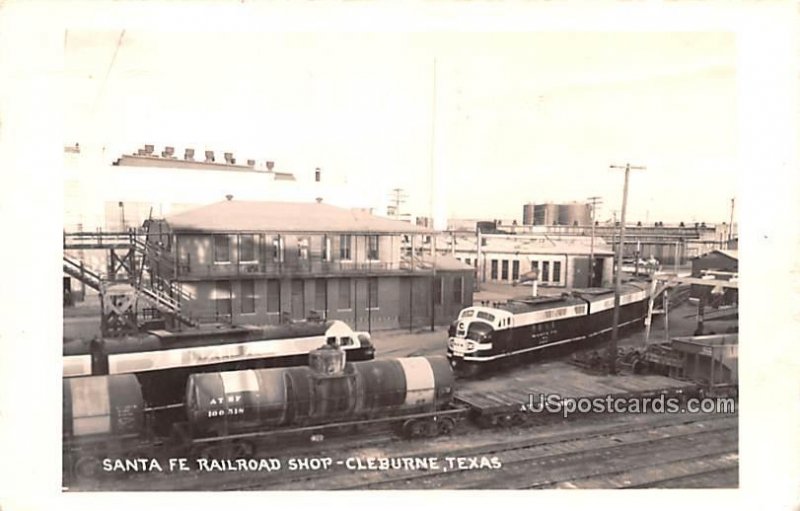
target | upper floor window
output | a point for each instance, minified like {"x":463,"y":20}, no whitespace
{"x":556,"y":271}
{"x":302,"y":248}
{"x":326,"y":248}
{"x":247,"y":248}
{"x":345,"y":245}
{"x":372,"y":248}
{"x":222,"y":248}
{"x":277,"y":249}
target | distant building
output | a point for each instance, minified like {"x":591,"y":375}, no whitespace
{"x":720,"y":265}
{"x":560,"y":262}
{"x":249,"y":262}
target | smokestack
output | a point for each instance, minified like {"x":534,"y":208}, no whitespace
{"x":188,"y":154}
{"x":209,"y":156}
{"x":317,"y":175}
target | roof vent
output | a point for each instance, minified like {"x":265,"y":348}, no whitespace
{"x":168,"y":152}
{"x":270,"y":165}
{"x":251,"y":163}
{"x":319,"y":200}
{"x":229,"y":159}
{"x":188,"y":154}
{"x":317,"y":174}
{"x":209,"y":156}
{"x":148,"y":149}
{"x":229,"y":197}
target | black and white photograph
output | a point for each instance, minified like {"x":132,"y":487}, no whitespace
{"x":457,"y":247}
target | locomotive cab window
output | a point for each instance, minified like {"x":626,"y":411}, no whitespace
{"x":346,"y":341}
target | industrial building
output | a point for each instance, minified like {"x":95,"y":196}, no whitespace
{"x":248,"y":262}
{"x":717,"y":265}
{"x":560,"y":262}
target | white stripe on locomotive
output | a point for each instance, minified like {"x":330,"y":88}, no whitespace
{"x":90,"y":405}
{"x":77,"y":365}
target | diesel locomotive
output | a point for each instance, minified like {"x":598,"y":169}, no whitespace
{"x":163,"y":360}
{"x":484,"y":338}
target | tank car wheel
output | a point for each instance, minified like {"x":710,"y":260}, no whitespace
{"x":413,"y":429}
{"x":430,"y":428}
{"x":87,"y":467}
{"x":205,"y":451}
{"x":243,"y":449}
{"x":446,"y":426}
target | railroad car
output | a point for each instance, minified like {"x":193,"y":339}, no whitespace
{"x":163,"y":360}
{"x":240,"y":401}
{"x":484,"y":338}
{"x":102,"y":415}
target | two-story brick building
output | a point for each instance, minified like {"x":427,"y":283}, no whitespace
{"x":267,"y":262}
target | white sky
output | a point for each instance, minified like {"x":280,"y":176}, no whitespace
{"x":519,"y":116}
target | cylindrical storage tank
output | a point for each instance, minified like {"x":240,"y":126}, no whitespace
{"x":574,"y":213}
{"x":102,"y":405}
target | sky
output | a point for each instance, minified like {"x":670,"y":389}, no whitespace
{"x":470,"y":125}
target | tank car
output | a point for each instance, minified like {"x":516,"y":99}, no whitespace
{"x":234,"y":402}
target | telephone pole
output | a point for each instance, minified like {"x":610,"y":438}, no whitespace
{"x":612,"y":346}
{"x":730,"y":225}
{"x":594,"y":201}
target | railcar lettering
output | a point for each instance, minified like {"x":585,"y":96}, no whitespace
{"x":473,"y":463}
{"x":238,"y":465}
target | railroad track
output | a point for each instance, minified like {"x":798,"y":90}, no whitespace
{"x":533,"y":445}
{"x":522,"y":449}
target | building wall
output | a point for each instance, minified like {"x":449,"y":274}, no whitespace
{"x":401,"y":302}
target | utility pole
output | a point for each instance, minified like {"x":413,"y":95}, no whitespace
{"x":594,"y":201}
{"x":612,"y":346}
{"x":398,"y":198}
{"x":730,"y":225}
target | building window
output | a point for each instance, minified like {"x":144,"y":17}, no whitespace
{"x":222,"y":248}
{"x":344,"y":294}
{"x":273,"y":296}
{"x":298,"y":299}
{"x":247,"y":248}
{"x":468,"y":261}
{"x":326,"y":248}
{"x":372,"y":248}
{"x":248,"y":296}
{"x":277,"y":249}
{"x":458,"y":290}
{"x":302,"y":248}
{"x":222,"y":297}
{"x":438,"y":284}
{"x":534,"y":265}
{"x":345,"y":243}
{"x":557,"y":271}
{"x":514,"y":270}
{"x":372,"y":294}
{"x":545,"y":271}
{"x":504,"y":272}
{"x":494,"y":269}
{"x":321,"y":295}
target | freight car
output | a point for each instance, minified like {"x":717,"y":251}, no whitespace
{"x":227,"y":411}
{"x":485,"y":338}
{"x":163,"y":360}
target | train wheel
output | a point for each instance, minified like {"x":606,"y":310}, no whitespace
{"x":87,"y":467}
{"x":243,"y":449}
{"x":430,"y":428}
{"x":446,"y":426}
{"x":413,"y":429}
